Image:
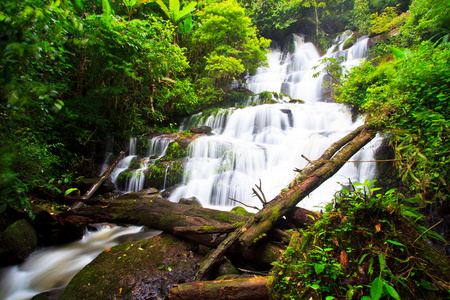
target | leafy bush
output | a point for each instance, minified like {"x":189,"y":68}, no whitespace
{"x":409,"y":97}
{"x":366,"y":246}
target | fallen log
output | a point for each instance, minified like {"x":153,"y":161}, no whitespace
{"x":288,"y":199}
{"x":96,"y":185}
{"x":148,"y":208}
{"x":205,"y":229}
{"x":258,"y":225}
{"x":255,"y":288}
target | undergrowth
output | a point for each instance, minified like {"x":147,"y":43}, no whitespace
{"x":366,"y":246}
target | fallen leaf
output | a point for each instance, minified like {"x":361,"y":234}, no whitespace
{"x":120,"y":291}
{"x":378,"y":227}
{"x":344,"y":259}
{"x":107,"y":250}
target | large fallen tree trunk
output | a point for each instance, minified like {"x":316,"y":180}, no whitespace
{"x":287,"y":200}
{"x":148,"y":208}
{"x":255,"y":288}
{"x":258,"y":225}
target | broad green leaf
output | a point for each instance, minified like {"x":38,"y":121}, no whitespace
{"x":186,"y":10}
{"x":70,"y":191}
{"x":427,"y":285}
{"x":318,"y":268}
{"x":390,"y":289}
{"x":106,"y":8}
{"x":376,"y":289}
{"x":174,"y":7}
{"x":382,"y":261}
{"x":163,"y":7}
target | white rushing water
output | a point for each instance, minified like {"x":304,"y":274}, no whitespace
{"x":155,"y":149}
{"x":255,"y":144}
{"x":52,"y":268}
{"x":265,"y":143}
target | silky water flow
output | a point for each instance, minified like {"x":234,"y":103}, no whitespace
{"x":263,"y":144}
{"x":252,"y":145}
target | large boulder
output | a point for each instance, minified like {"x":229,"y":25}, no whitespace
{"x":201,"y":129}
{"x":17,"y":242}
{"x":137,"y":270}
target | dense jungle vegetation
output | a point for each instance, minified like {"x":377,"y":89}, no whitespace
{"x":73,"y":72}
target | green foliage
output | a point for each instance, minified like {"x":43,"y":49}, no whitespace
{"x":385,"y":21}
{"x":174,"y":152}
{"x":409,"y":97}
{"x":429,"y":20}
{"x":332,"y":68}
{"x":226,"y":44}
{"x":173,"y":12}
{"x":366,"y":246}
{"x":360,"y":16}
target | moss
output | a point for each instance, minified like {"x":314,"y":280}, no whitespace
{"x":239,"y":210}
{"x":348,"y":43}
{"x":17,"y":242}
{"x":136,"y":270}
{"x":174,"y":152}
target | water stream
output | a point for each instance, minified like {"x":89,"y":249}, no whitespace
{"x":262,"y":143}
{"x":52,"y":268}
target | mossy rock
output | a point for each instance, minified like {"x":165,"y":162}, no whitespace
{"x":17,"y":242}
{"x":137,"y":270}
{"x":226,"y":269}
{"x":239,"y":210}
{"x":201,"y":129}
{"x":191,"y":201}
{"x":348,"y":43}
{"x":164,"y":174}
{"x":297,"y":101}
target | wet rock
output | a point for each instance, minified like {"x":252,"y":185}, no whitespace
{"x":201,"y":129}
{"x":226,"y":269}
{"x":17,"y":242}
{"x":137,"y":270}
{"x":191,"y":201}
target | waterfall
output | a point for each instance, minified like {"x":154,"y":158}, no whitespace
{"x":137,"y":162}
{"x":266,"y":142}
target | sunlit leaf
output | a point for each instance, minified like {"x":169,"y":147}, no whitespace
{"x":376,"y":289}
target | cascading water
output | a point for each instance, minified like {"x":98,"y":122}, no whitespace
{"x":52,"y":268}
{"x":256,"y":143}
{"x":266,"y":142}
{"x":135,"y":164}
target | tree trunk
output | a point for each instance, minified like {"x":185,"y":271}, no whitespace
{"x":287,"y":200}
{"x":255,"y":288}
{"x":258,"y":225}
{"x":148,"y":208}
{"x":96,"y":185}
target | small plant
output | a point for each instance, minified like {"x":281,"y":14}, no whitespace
{"x":366,"y":246}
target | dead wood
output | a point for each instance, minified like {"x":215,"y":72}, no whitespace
{"x":255,"y":288}
{"x":258,"y":225}
{"x":99,"y":182}
{"x":148,"y":208}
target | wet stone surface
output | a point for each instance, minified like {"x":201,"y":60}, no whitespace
{"x":137,"y":270}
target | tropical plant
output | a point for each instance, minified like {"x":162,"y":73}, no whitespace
{"x":176,"y":15}
{"x":408,"y":97}
{"x":367,"y":245}
{"x":226,"y":44}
